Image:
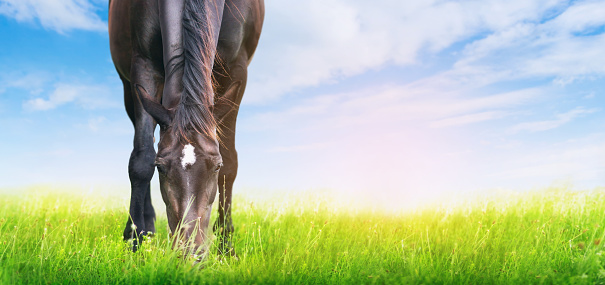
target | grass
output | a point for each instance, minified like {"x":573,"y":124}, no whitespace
{"x":549,"y":236}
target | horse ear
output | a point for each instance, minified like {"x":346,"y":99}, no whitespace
{"x":161,"y":115}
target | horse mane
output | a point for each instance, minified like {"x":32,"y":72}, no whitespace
{"x":194,"y":111}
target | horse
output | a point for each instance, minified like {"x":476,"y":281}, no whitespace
{"x":184,"y":66}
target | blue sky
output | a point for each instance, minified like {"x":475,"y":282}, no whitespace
{"x":376,"y":98}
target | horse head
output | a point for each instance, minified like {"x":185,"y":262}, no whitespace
{"x":188,"y":167}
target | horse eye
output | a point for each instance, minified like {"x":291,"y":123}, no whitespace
{"x":218,"y":167}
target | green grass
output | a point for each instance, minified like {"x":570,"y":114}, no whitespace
{"x":550,"y":236}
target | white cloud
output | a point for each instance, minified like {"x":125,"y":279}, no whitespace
{"x":560,"y":120}
{"x":562,"y":48}
{"x":400,"y":139}
{"x":579,"y":159}
{"x":95,"y":123}
{"x":61,"y":16}
{"x":87,"y":96}
{"x":469,"y":119}
{"x":33,"y":82}
{"x":423,"y":101}
{"x":300,"y":148}
{"x":308,"y":43}
{"x":581,"y":16}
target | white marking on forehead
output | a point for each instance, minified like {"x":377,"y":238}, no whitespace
{"x":188,"y":156}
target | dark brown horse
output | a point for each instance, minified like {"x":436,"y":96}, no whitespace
{"x":184,"y":66}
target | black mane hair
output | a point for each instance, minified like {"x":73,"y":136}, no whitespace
{"x":194,"y":112}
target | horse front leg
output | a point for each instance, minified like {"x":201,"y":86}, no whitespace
{"x":226,"y":110}
{"x":149,"y":214}
{"x":223,"y":227}
{"x":140,"y":172}
{"x":141,"y":165}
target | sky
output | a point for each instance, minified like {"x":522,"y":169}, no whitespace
{"x":396,"y":99}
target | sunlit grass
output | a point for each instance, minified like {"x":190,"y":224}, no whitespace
{"x":547,"y":236}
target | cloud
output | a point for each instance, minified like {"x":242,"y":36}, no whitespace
{"x":582,"y":16}
{"x":33,"y":82}
{"x":86,"y":96}
{"x":300,"y":148}
{"x":468,"y":119}
{"x":309,"y":43}
{"x":421,"y":102}
{"x":60,"y":16}
{"x":560,"y":120}
{"x":580,"y":159}
{"x":566,"y":47}
{"x":96,"y":122}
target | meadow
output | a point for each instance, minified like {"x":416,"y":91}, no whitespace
{"x":549,"y":236}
